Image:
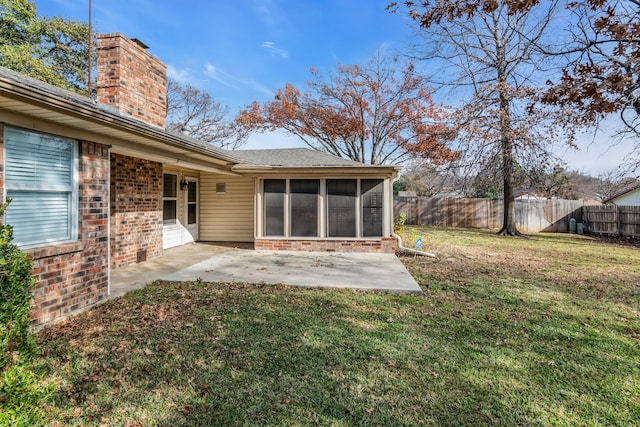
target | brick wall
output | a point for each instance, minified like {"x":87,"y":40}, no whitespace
{"x":386,"y":244}
{"x":74,"y":276}
{"x":131,"y":80}
{"x":136,"y":210}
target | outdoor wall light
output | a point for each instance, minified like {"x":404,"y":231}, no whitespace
{"x":184,"y":185}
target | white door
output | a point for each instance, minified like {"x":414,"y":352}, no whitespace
{"x":191,"y":210}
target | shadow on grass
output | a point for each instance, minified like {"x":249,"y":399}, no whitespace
{"x":178,"y":354}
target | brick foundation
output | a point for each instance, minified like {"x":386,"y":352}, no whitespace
{"x":136,"y":210}
{"x":386,"y":245}
{"x":74,"y":276}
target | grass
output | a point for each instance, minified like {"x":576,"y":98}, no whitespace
{"x":543,"y":331}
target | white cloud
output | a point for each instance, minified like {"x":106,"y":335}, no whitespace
{"x":273,"y":50}
{"x":232,"y":81}
{"x":267,"y":11}
{"x":181,"y":75}
{"x":218,"y":75}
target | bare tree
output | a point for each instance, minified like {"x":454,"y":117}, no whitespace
{"x":195,"y":112}
{"x":490,"y":56}
{"x":377,"y":113}
{"x":553,"y":181}
{"x":614,"y":182}
{"x":425,"y":178}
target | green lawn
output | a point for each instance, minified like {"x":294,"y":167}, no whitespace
{"x":543,"y":331}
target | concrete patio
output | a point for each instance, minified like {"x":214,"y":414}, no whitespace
{"x":240,"y":263}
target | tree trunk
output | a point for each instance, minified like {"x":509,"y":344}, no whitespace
{"x":508,"y":205}
{"x":509,"y":209}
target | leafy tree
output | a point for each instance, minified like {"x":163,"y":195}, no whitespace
{"x":401,"y":184}
{"x":489,"y":51}
{"x":602,"y":74}
{"x":378,"y":113}
{"x":192,"y":110}
{"x":50,"y":49}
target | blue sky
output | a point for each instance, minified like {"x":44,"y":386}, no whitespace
{"x":243,"y":50}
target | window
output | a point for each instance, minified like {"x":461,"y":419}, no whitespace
{"x":274,"y":196}
{"x":192,"y":202}
{"x":304,"y":207}
{"x":41,"y":179}
{"x":372,"y":207}
{"x":341,"y":208}
{"x":170,"y":199}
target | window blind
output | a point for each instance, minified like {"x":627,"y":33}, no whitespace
{"x":40,"y":179}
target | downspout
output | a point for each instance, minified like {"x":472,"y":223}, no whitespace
{"x":410,"y":250}
{"x":398,"y":238}
{"x":109,"y":221}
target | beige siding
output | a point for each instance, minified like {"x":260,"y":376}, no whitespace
{"x":229,"y":216}
{"x":171,"y":236}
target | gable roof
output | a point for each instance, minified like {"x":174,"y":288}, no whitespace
{"x":292,"y":157}
{"x":22,"y":95}
{"x":622,"y":193}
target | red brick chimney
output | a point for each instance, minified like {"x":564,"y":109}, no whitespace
{"x":131,"y":79}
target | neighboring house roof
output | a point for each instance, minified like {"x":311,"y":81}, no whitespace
{"x":292,"y":157}
{"x":622,"y":193}
{"x":527,"y":194}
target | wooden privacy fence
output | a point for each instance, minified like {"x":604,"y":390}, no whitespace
{"x":531,"y":215}
{"x":612,"y":220}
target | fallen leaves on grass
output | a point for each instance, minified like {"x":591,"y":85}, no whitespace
{"x":507,"y":332}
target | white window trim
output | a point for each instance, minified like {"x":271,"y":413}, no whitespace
{"x":171,"y":199}
{"x":197,"y":202}
{"x":73,"y":217}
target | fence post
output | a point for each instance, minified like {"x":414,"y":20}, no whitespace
{"x":618,"y":215}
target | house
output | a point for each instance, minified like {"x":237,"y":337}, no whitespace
{"x":629,"y":197}
{"x":99,"y":185}
{"x":527,"y":194}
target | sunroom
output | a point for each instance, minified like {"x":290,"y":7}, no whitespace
{"x":307,"y":200}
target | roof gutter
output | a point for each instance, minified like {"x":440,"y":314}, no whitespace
{"x":87,"y":109}
{"x":365,"y":169}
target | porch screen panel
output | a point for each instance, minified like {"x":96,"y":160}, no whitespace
{"x":40,"y":178}
{"x":274,"y":195}
{"x":372,"y":207}
{"x":341,"y":209}
{"x":304,"y":207}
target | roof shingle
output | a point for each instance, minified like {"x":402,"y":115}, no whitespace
{"x":292,"y":157}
